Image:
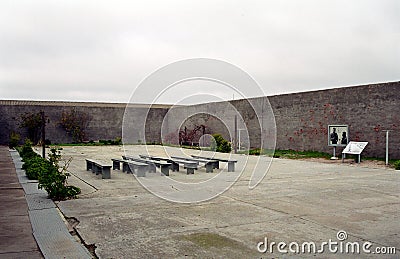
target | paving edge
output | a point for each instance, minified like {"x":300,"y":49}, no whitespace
{"x":48,"y":226}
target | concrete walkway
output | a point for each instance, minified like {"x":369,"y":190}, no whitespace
{"x":297,"y":201}
{"x":16,"y":239}
{"x":31,"y":224}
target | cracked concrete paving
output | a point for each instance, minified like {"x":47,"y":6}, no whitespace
{"x":297,"y":201}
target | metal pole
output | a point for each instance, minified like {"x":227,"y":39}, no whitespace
{"x":334,"y":154}
{"x":239,"y":139}
{"x":387,"y":147}
{"x":43,"y":135}
{"x":236,"y":134}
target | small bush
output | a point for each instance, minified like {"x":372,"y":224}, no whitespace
{"x":35,"y":166}
{"x":117,"y":141}
{"x":26,"y":151}
{"x":397,"y":165}
{"x":255,"y":152}
{"x":14,"y":139}
{"x":51,"y":175}
{"x":54,"y":181}
{"x":33,"y":163}
{"x":220,"y":144}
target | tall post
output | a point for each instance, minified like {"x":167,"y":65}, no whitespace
{"x":236,"y":136}
{"x":239,"y":140}
{"x":204,"y":132}
{"x":43,"y":134}
{"x":387,"y":147}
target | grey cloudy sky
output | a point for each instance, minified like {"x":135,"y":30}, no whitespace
{"x":83,"y":50}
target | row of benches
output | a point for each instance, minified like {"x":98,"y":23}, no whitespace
{"x":147,"y":163}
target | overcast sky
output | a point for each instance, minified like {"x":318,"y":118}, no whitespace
{"x":101,"y":50}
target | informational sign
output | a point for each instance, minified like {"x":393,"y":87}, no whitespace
{"x":355,"y":148}
{"x":338,"y":135}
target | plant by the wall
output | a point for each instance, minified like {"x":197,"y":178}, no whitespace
{"x":33,"y":123}
{"x":14,"y":139}
{"x":397,"y":165}
{"x":75,"y":123}
{"x":220,"y":144}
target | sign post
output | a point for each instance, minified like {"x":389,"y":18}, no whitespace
{"x":43,"y":134}
{"x":387,"y":147}
{"x":235,"y":143}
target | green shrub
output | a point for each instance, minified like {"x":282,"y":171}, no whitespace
{"x":397,"y":165}
{"x":33,"y":163}
{"x":117,"y":141}
{"x":255,"y":152}
{"x":51,"y":175}
{"x":35,"y":166}
{"x":14,"y":139}
{"x":54,"y":181}
{"x":26,"y":151}
{"x":220,"y":144}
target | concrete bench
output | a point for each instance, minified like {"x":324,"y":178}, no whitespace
{"x":188,"y":165}
{"x":164,"y":166}
{"x":116,"y":164}
{"x":130,"y":166}
{"x":209,"y":164}
{"x":141,"y":168}
{"x":231,"y":163}
{"x":98,"y":168}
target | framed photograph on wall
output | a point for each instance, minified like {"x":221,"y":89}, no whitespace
{"x":338,"y":135}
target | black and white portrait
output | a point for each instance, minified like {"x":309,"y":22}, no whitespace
{"x":338,"y":135}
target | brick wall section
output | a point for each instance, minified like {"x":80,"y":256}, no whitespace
{"x":301,"y":118}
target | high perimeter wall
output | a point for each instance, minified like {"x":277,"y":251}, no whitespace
{"x":301,"y":118}
{"x":104,"y":119}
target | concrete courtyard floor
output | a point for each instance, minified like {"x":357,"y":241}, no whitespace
{"x":297,"y":201}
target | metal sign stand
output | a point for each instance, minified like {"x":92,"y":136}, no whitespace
{"x":334,"y":154}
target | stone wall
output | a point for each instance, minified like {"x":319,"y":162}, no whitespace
{"x":301,"y":118}
{"x":105,"y":119}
